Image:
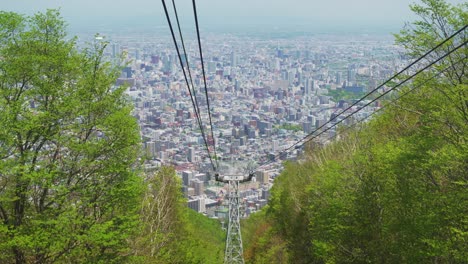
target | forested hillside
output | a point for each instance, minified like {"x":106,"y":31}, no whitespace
{"x":170,"y":231}
{"x":393,"y":190}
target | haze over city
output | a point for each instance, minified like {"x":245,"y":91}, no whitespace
{"x":359,"y":16}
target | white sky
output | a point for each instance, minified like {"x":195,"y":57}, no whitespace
{"x":228,"y":13}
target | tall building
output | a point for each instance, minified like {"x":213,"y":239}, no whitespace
{"x":351,"y":75}
{"x":300,"y":76}
{"x":262,"y":177}
{"x":115,"y":50}
{"x":211,"y":67}
{"x":151,"y":148}
{"x":309,"y":87}
{"x":277,"y":64}
{"x":187,"y":176}
{"x":197,"y":204}
{"x":200,"y":176}
{"x":307,"y":126}
{"x":137,"y":54}
{"x":198,"y":186}
{"x":265,"y":194}
{"x":191,"y":155}
{"x":274,"y":145}
{"x":291,"y":76}
{"x":284,"y":75}
{"x":155,"y":59}
{"x":234,"y":59}
{"x":127,"y":72}
{"x":338,"y":78}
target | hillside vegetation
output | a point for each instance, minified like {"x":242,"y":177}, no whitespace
{"x":394,"y":190}
{"x":170,"y":231}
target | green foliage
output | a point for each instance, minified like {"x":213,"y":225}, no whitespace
{"x":438,"y":21}
{"x":341,"y":94}
{"x":393,"y":190}
{"x":206,"y":239}
{"x":290,"y":127}
{"x":260,"y":241}
{"x":161,"y":217}
{"x":170,"y":231}
{"x":69,"y":190}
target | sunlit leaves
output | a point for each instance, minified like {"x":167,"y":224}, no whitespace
{"x":69,"y":189}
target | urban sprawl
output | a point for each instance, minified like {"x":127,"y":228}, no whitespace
{"x":264,"y":93}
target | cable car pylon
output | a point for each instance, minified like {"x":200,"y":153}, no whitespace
{"x":234,"y":252}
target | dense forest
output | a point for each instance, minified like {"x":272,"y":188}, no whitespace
{"x":393,"y":190}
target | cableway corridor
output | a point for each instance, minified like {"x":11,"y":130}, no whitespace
{"x":386,"y":94}
{"x":235,"y":132}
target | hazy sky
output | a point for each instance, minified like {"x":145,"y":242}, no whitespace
{"x":219,"y":14}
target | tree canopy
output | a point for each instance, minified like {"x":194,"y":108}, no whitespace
{"x":170,"y":231}
{"x":69,"y":188}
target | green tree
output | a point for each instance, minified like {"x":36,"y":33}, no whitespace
{"x":442,"y":141}
{"x":161,"y":215}
{"x":262,"y":243}
{"x":437,"y":21}
{"x":171,"y":232}
{"x":69,"y":190}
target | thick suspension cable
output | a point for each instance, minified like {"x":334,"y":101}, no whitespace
{"x":186,"y":59}
{"x":393,"y":101}
{"x":377,"y":88}
{"x":204,"y":79}
{"x":187,"y":82}
{"x":311,"y":135}
{"x":386,"y":92}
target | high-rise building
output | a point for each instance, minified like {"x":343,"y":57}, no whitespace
{"x":137,"y":54}
{"x":265,"y":194}
{"x":351,"y":75}
{"x":274,"y":145}
{"x":338,"y":78}
{"x":307,"y":126}
{"x":127,"y":72}
{"x":115,"y":50}
{"x":284,"y":75}
{"x":187,"y":176}
{"x":198,"y":186}
{"x":279,"y":53}
{"x":277,"y":64}
{"x":151,"y":148}
{"x":200,"y":176}
{"x":197,"y":204}
{"x":291,"y":76}
{"x":191,"y":155}
{"x":309,"y":87}
{"x":262,"y":177}
{"x":234,"y":59}
{"x":312,"y":120}
{"x":324,"y":99}
{"x":211,"y":67}
{"x":300,"y":76}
